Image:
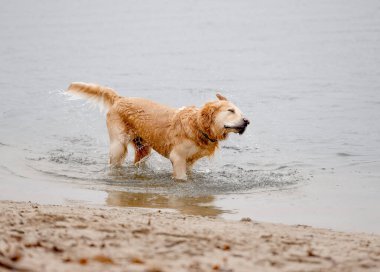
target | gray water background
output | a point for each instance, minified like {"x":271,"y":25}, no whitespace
{"x":306,"y":73}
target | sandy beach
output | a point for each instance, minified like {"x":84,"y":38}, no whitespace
{"x":306,"y":75}
{"x":77,"y":238}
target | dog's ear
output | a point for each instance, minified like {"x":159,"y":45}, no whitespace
{"x":207,"y":113}
{"x":207,"y":118}
{"x":220,"y":97}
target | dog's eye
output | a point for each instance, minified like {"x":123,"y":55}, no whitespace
{"x":231,"y":110}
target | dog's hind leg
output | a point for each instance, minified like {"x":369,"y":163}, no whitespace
{"x":118,"y":152}
{"x":142,"y":149}
{"x":119,"y":140}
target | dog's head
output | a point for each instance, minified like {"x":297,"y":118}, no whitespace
{"x":218,"y":118}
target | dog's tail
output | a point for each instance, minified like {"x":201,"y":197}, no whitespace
{"x":103,"y":96}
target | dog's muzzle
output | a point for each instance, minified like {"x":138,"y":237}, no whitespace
{"x":241,"y":127}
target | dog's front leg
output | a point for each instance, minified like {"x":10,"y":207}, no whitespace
{"x":179,"y":165}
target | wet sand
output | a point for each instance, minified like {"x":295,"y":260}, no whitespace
{"x":83,"y":238}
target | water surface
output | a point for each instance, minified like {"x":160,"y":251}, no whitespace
{"x":307,"y":75}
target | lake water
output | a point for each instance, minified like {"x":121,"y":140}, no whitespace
{"x":306,"y":73}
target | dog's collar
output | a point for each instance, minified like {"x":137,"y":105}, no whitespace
{"x":207,"y":137}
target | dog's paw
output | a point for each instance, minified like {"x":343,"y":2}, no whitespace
{"x":180,"y":178}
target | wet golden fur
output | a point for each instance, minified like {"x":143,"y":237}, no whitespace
{"x":181,"y":135}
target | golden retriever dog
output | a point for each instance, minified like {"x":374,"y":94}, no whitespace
{"x":182,"y":135}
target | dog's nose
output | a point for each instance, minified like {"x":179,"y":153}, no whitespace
{"x":246,"y":121}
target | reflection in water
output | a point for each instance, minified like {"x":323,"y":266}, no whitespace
{"x":200,"y":205}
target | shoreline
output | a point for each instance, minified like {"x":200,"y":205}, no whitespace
{"x":82,"y":238}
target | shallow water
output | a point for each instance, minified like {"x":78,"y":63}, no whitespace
{"x":306,"y":74}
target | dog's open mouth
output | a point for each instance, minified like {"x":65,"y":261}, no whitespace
{"x":238,"y":129}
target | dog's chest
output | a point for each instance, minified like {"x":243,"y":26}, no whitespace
{"x":189,"y":149}
{"x":193,"y":152}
